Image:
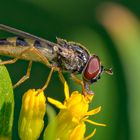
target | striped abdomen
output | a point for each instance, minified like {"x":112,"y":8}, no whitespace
{"x":14,"y":46}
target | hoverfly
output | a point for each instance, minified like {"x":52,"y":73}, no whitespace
{"x":62,"y":56}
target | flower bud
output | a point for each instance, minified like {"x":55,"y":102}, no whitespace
{"x":32,"y":113}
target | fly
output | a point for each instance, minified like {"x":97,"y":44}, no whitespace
{"x":62,"y":56}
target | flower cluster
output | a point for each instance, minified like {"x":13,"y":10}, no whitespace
{"x":69,"y":122}
{"x":73,"y":115}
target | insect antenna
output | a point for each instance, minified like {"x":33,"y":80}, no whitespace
{"x":108,"y":71}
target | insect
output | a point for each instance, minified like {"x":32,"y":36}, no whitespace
{"x":62,"y":56}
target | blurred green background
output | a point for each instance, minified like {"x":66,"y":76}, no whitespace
{"x":111,"y":30}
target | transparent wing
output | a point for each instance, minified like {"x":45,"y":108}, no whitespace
{"x":25,"y":34}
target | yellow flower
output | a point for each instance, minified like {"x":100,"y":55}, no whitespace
{"x":73,"y":115}
{"x":32,"y":113}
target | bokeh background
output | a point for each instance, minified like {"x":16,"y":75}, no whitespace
{"x":109,"y":29}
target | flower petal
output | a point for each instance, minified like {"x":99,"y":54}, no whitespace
{"x":66,"y":90}
{"x":94,"y":111}
{"x":90,"y":135}
{"x":78,"y":132}
{"x":56,"y":103}
{"x":94,"y":123}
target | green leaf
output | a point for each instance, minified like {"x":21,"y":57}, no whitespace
{"x":49,"y":133}
{"x":6,"y":104}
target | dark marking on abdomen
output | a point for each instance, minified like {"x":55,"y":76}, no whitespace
{"x":4,"y":42}
{"x":37,"y":44}
{"x":21,"y":42}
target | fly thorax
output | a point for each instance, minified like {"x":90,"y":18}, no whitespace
{"x":72,"y":56}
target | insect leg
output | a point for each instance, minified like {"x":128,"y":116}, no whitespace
{"x":61,"y":77}
{"x":50,"y":75}
{"x":44,"y":60}
{"x":79,"y":81}
{"x":48,"y":79}
{"x":25,"y":77}
{"x":41,"y":56}
{"x":11,"y":61}
{"x":29,"y":49}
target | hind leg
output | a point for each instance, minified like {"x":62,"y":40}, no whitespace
{"x":11,"y":61}
{"x":25,"y":77}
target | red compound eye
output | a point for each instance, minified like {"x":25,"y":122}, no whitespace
{"x":92,"y":69}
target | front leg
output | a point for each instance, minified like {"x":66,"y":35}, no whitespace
{"x":79,"y":81}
